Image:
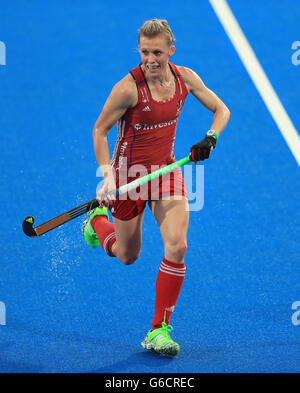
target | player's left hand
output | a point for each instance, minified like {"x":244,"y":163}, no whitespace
{"x":201,"y":150}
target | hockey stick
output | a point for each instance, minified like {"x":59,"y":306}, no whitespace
{"x":55,"y":222}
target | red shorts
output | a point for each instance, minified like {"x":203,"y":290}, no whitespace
{"x":130,"y":205}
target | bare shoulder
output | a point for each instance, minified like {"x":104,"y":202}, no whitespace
{"x":190,"y":77}
{"x":125,"y":91}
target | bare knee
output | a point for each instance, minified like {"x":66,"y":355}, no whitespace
{"x":176,"y":248}
{"x":128,"y":258}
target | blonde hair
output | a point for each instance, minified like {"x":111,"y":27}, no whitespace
{"x":154,"y":27}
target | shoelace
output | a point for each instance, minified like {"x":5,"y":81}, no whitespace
{"x":166,"y":329}
{"x":90,"y":210}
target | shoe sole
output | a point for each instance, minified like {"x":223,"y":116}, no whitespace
{"x":167,"y":350}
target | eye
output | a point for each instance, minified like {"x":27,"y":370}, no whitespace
{"x":157,"y":52}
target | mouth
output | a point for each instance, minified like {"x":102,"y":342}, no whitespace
{"x":152,"y":67}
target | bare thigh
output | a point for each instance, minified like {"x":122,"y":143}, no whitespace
{"x":128,"y":239}
{"x":172,"y":217}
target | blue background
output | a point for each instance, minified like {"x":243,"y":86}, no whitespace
{"x":71,"y":308}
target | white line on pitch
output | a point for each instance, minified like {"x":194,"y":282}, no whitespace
{"x":258,"y":75}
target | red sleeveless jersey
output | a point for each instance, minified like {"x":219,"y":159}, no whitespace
{"x":146,"y":133}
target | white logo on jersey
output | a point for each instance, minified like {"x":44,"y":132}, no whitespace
{"x":154,"y":126}
{"x":179,"y":107}
{"x":122,"y":159}
{"x":146,"y":109}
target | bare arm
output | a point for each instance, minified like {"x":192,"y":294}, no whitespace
{"x":122,"y":97}
{"x":207,"y":98}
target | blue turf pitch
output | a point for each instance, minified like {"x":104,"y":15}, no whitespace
{"x":70,"y":308}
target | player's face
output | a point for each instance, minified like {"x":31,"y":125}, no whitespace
{"x":155,"y":53}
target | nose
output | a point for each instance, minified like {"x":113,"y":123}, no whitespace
{"x":151,"y":58}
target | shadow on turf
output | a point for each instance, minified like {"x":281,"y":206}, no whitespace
{"x":135,"y":361}
{"x":15,"y":367}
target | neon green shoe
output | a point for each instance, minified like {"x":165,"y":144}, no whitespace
{"x":88,"y":232}
{"x":159,"y":341}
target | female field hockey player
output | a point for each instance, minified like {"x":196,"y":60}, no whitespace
{"x":146,"y":104}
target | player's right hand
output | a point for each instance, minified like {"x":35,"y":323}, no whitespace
{"x":108,"y":187}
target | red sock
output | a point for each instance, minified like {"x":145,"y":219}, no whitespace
{"x":105,"y":232}
{"x":168,"y":285}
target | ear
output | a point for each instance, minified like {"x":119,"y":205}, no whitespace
{"x":171,"y":50}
